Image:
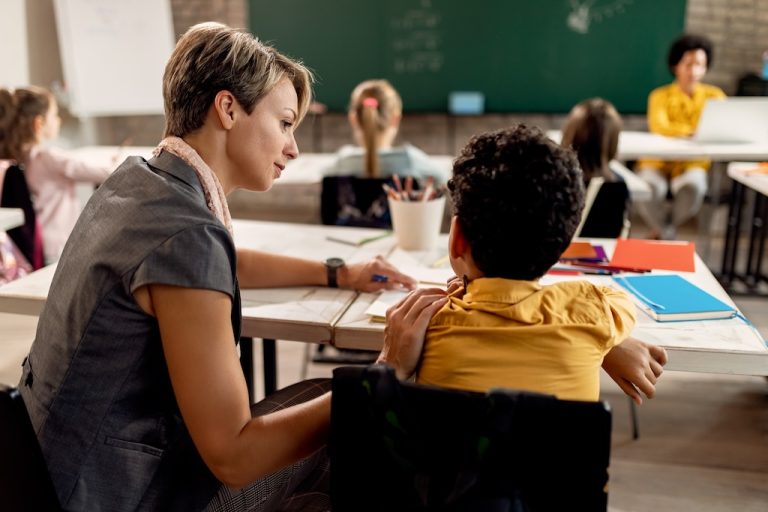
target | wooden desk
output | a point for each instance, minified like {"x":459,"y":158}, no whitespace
{"x":11,"y":218}
{"x":297,"y":313}
{"x":321,"y":315}
{"x":722,"y":346}
{"x":743,"y":180}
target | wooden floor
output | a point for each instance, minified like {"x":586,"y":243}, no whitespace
{"x":703,"y":440}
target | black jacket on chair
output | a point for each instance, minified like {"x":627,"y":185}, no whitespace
{"x":27,"y":237}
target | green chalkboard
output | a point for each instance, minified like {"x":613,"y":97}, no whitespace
{"x":523,"y":55}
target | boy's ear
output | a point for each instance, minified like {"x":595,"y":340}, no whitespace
{"x":224,"y":104}
{"x":457,"y":243}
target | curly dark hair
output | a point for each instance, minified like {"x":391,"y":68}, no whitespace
{"x":686,"y":43}
{"x":518,"y":198}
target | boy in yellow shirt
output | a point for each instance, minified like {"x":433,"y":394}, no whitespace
{"x":518,"y":198}
{"x":674,"y":111}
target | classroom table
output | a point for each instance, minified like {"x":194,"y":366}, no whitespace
{"x":322,"y":315}
{"x":296,"y":194}
{"x":295,"y":313}
{"x":11,"y":218}
{"x":715,"y":346}
{"x":634,"y":145}
{"x":745,"y":179}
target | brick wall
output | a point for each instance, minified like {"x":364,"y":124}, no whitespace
{"x":739,"y":30}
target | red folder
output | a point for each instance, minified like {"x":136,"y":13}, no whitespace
{"x":654,"y":255}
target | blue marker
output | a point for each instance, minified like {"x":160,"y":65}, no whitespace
{"x":379,"y":278}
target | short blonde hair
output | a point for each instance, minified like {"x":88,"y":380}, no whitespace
{"x":211,"y":57}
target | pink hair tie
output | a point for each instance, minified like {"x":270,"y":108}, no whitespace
{"x":371,"y":102}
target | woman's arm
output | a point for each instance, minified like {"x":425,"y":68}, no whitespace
{"x":256,"y":269}
{"x":210,"y":389}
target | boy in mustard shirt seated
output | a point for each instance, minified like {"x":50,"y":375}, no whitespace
{"x":518,"y":198}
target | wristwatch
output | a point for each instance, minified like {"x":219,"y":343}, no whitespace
{"x":333,"y":265}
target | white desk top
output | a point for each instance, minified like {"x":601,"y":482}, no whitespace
{"x":634,"y":145}
{"x":296,"y":313}
{"x":722,"y":346}
{"x":110,"y":156}
{"x":739,"y":171}
{"x":318,"y":314}
{"x":11,"y":218}
{"x":304,"y":170}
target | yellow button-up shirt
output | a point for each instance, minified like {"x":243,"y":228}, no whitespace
{"x":521,"y":335}
{"x":673,"y":113}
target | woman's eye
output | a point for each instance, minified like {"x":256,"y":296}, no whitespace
{"x":287,"y":124}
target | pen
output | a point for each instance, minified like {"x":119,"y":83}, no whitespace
{"x":610,"y":268}
{"x":379,"y":278}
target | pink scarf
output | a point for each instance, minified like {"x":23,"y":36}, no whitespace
{"x":214,"y":193}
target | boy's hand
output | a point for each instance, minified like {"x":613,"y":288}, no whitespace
{"x":635,"y":366}
{"x":406,"y":328}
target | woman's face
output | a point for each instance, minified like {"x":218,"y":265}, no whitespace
{"x":691,"y":68}
{"x":260,"y":144}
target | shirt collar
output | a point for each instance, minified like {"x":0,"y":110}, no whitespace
{"x":495,"y":289}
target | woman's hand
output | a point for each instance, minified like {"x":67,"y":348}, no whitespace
{"x":454,"y":284}
{"x":635,"y":366}
{"x":407,"y":323}
{"x":373,"y":275}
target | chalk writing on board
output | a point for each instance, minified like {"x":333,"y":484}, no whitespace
{"x":584,"y":13}
{"x":416,"y":41}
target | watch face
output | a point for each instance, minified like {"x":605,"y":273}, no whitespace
{"x":334,"y":262}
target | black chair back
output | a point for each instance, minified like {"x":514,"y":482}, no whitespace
{"x":407,"y":447}
{"x":27,"y":237}
{"x":25,"y":484}
{"x":609,"y":210}
{"x":356,"y":201}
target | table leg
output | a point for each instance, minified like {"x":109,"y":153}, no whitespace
{"x":754,"y":232}
{"x":270,"y":366}
{"x":758,"y":273}
{"x":732,"y":233}
{"x":246,"y":363}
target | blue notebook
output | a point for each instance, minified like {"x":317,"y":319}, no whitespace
{"x":669,"y":298}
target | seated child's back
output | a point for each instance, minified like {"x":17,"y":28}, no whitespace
{"x":518,"y":198}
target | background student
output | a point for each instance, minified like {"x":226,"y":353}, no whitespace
{"x":30,"y":120}
{"x":674,"y":111}
{"x":133,"y":382}
{"x":592,"y":130}
{"x":518,"y":198}
{"x":375,"y":112}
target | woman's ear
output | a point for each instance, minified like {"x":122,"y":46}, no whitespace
{"x":353,"y":119}
{"x":224,"y":105}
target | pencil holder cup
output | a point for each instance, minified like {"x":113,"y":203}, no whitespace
{"x":417,"y":223}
